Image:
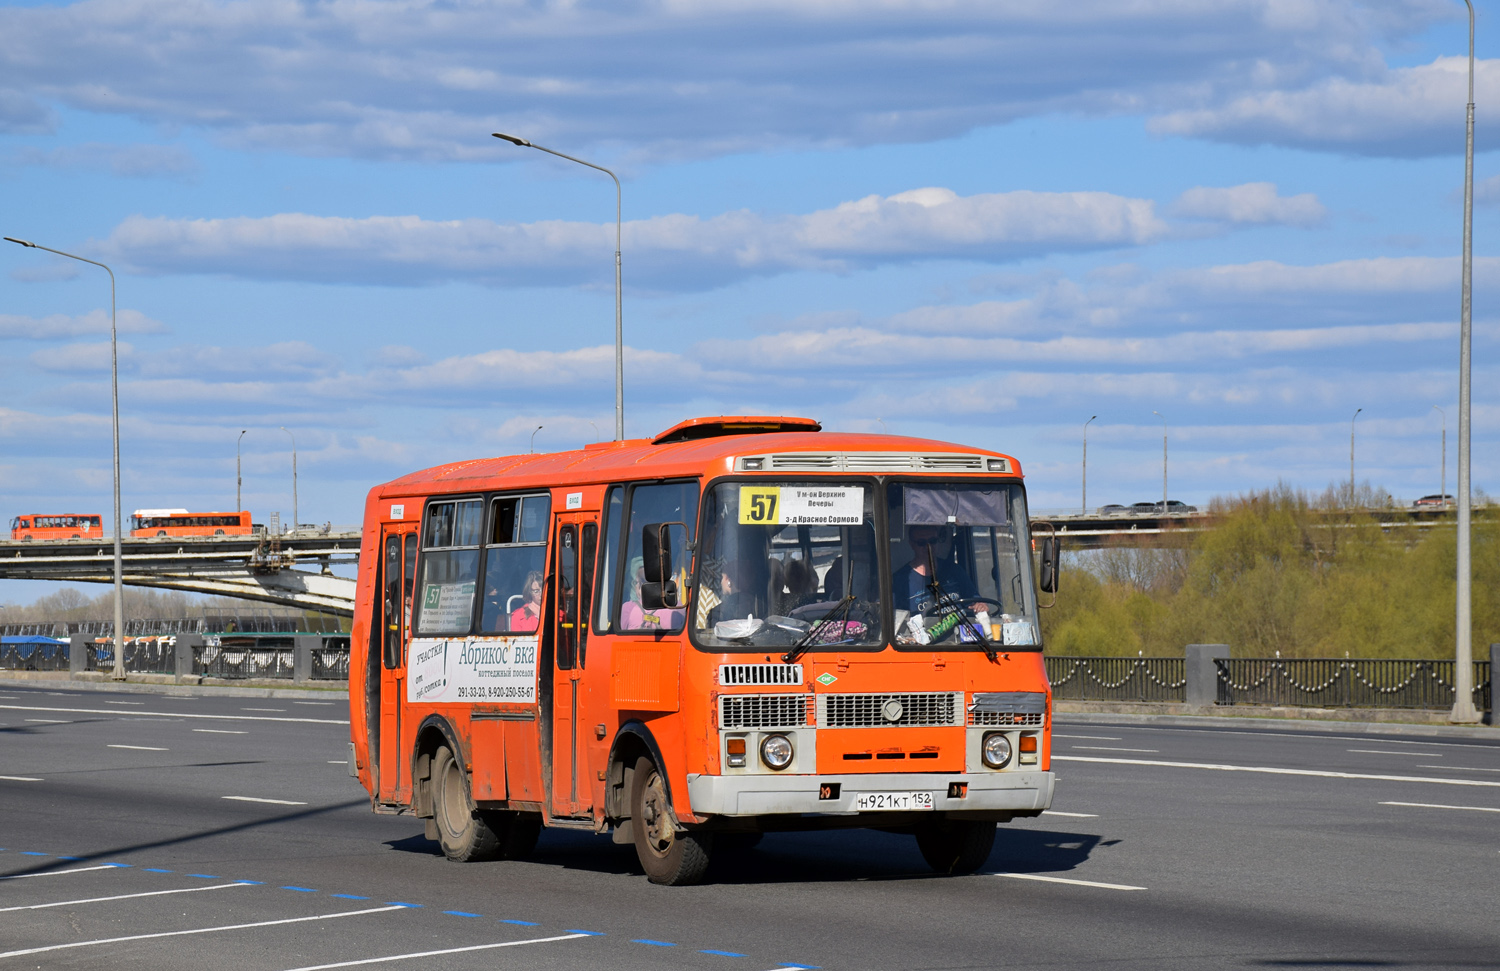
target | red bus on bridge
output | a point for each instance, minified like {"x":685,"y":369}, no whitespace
{"x":61,"y":526}
{"x":180,"y":522}
{"x":741,"y":625}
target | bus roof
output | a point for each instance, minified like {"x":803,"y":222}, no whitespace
{"x":716,"y":445}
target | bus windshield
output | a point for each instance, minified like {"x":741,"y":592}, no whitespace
{"x":960,"y":564}
{"x":780,"y":561}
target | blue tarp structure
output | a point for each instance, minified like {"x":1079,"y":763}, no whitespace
{"x":26,"y":646}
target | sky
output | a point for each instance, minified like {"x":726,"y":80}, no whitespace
{"x":1234,"y":222}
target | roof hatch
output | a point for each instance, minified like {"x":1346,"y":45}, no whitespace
{"x":721,"y":425}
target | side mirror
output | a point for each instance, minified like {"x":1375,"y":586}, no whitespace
{"x":1051,"y":562}
{"x":659,"y":589}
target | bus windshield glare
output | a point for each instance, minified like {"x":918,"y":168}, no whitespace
{"x":799,"y":563}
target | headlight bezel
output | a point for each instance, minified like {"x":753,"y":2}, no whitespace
{"x":1001,"y":758}
{"x":776,"y":742}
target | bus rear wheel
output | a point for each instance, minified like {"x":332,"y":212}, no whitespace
{"x":463,"y":832}
{"x":956,"y":846}
{"x":668,"y":857}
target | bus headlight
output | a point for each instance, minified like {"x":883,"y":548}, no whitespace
{"x":996,"y":750}
{"x":776,"y":751}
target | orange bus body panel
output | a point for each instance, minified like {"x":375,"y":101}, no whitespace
{"x":193,"y":524}
{"x":48,"y":526}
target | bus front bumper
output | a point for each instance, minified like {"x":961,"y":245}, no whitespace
{"x":1028,"y":792}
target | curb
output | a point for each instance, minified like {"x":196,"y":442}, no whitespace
{"x":336,"y":691}
{"x":1278,"y":722}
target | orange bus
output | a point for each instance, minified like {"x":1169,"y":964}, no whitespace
{"x":180,"y":522}
{"x":741,"y":625}
{"x":65,"y":526}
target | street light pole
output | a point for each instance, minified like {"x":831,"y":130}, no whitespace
{"x":1463,"y":666}
{"x":619,"y":325}
{"x":531,"y":449}
{"x":1163,"y":461}
{"x":294,"y":476}
{"x":114,"y":393}
{"x":1351,"y":457}
{"x":238,"y":481}
{"x":1085,"y":508}
{"x":1443,"y":473}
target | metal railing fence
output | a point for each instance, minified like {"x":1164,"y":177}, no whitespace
{"x":143,"y":655}
{"x":34,"y":657}
{"x":207,"y":622}
{"x":1345,"y":683}
{"x":1117,"y":678}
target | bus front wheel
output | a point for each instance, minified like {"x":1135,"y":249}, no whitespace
{"x":463,"y":832}
{"x":668,"y":857}
{"x":956,"y":846}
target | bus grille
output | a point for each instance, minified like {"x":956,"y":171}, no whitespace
{"x":731,"y":674}
{"x":763,"y":711}
{"x":1008,"y":708}
{"x":870,"y":711}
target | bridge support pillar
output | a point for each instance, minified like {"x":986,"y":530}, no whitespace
{"x":1203,"y":674}
{"x":1489,"y":718}
{"x":78,"y":653}
{"x":303,"y":646}
{"x":185,"y":645}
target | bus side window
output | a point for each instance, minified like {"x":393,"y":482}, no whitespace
{"x":607,"y":588}
{"x":567,"y":597}
{"x":408,"y":584}
{"x":586,"y":588}
{"x":392,"y":615}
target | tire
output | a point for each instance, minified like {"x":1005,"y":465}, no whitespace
{"x":516,"y":832}
{"x":463,"y":832}
{"x":668,"y":857}
{"x":956,"y":847}
{"x":218,"y":532}
{"x":161,"y":532}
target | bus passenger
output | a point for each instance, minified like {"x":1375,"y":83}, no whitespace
{"x":527,"y":616}
{"x":634,"y":616}
{"x":735,"y":602}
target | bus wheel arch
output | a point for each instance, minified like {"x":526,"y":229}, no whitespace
{"x":633,"y":740}
{"x":432,"y":734}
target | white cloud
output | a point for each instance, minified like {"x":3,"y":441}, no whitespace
{"x":672,"y":251}
{"x":1253,"y":203}
{"x":429,"y":81}
{"x":60,"y":326}
{"x":81,"y":357}
{"x":1406,"y":112}
{"x":128,"y":161}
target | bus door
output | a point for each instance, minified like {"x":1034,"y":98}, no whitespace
{"x":398,"y":545}
{"x":576,"y":537}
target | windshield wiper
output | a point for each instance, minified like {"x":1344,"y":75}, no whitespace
{"x":949,"y":605}
{"x":807,"y":640}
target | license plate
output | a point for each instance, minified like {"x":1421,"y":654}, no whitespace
{"x":892,"y":801}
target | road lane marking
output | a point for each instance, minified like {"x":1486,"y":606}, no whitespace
{"x":50,"y":721}
{"x":274,"y":802}
{"x":1112,"y":748}
{"x":424,"y":954}
{"x":124,"y":702}
{"x":312,"y":702}
{"x":262,"y":709}
{"x":195,"y":930}
{"x":1059,"y":812}
{"x":1458,"y":768}
{"x":1311,"y":734}
{"x":1433,"y":805}
{"x":338,"y":761}
{"x":1271,"y":770}
{"x":58,"y":873}
{"x":19,"y":778}
{"x":121,"y":896}
{"x":178,"y":714}
{"x":1038,"y":876}
{"x":219,"y":731}
{"x":140,"y":748}
{"x":1376,"y":751}
{"x":1092,"y":738}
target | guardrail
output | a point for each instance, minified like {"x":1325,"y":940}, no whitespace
{"x":291,"y":657}
{"x":1286,"y":682}
{"x":1145,"y":679}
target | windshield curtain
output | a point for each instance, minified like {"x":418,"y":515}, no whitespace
{"x":778,"y":558}
{"x":958,"y":572}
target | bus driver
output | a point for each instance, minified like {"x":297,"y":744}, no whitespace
{"x":931,"y":549}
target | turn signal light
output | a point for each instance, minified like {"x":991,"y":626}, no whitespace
{"x":1027,"y":748}
{"x":735,"y":749}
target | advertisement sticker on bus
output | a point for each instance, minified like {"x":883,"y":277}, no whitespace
{"x":801,"y":505}
{"x":472,"y":669}
{"x":446,"y":606}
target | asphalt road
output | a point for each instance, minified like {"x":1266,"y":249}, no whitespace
{"x":154,"y":832}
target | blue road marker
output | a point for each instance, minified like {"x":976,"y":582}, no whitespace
{"x":724,"y":954}
{"x":654,"y":943}
{"x":156,"y":869}
{"x":70,"y":858}
{"x":462,"y":913}
{"x":203,"y":876}
{"x":252,"y":883}
{"x":33,"y":853}
{"x":301,"y":889}
{"x":119,"y":866}
{"x":397,"y":903}
{"x":574,"y":930}
{"x":523,"y":923}
{"x":348,"y":896}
